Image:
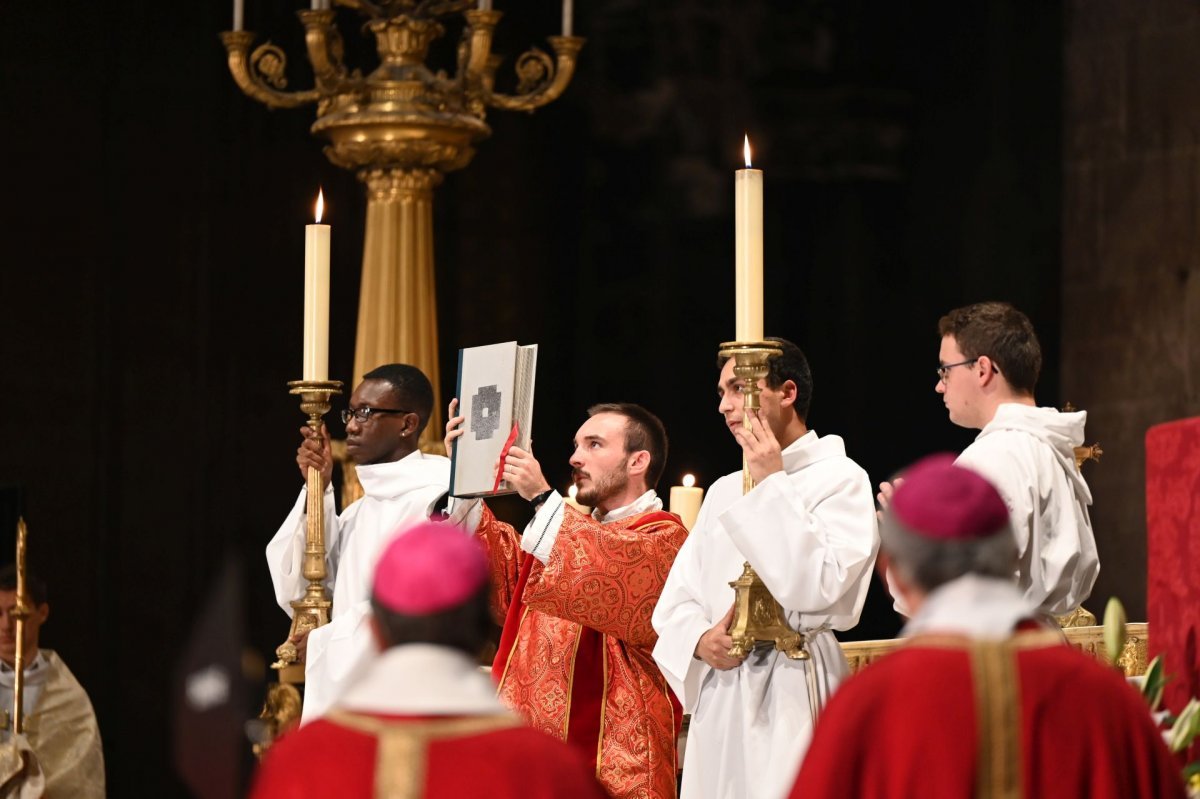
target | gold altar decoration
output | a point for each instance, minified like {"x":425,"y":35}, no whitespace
{"x":1089,"y":640}
{"x":311,"y":610}
{"x":20,"y":612}
{"x":401,"y":128}
{"x":758,"y":618}
{"x":1088,"y":452}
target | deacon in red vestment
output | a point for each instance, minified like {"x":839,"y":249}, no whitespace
{"x":576,"y":594}
{"x":982,"y":701}
{"x":422,"y":720}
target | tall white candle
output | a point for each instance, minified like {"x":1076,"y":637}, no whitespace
{"x":316,"y":297}
{"x":238,"y":14}
{"x":485,"y":5}
{"x":568,"y":17}
{"x":748,"y":250}
{"x":685,"y":501}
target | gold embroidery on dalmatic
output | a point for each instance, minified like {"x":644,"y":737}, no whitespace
{"x":998,"y":718}
{"x":400,"y":756}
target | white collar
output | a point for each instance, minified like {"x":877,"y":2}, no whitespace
{"x":422,"y":680}
{"x":35,"y":673}
{"x":987,"y":608}
{"x":414,"y":471}
{"x":644,"y":504}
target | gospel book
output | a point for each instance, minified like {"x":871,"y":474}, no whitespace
{"x":495,"y":394}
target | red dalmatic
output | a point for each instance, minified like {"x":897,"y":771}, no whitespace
{"x":575,"y":653}
{"x":1027,"y":717}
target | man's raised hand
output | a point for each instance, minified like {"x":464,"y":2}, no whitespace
{"x":763,"y":454}
{"x":453,"y":427}
{"x":524,"y":473}
{"x":315,"y":451}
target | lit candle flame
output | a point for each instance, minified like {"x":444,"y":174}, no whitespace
{"x":689,"y":480}
{"x":572,"y":491}
{"x":746,"y":151}
{"x":320,"y":205}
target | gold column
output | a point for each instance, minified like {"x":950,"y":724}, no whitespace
{"x":397,"y":307}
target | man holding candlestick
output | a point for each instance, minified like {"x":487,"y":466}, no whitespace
{"x":576,"y":593}
{"x":387,"y":413}
{"x":808,"y":529}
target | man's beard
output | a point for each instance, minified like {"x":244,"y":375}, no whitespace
{"x":600,"y":490}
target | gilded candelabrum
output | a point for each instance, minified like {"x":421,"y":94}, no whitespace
{"x":311,"y":610}
{"x":401,"y":128}
{"x":758,"y":618}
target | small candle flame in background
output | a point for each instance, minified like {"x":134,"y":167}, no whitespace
{"x":746,"y":151}
{"x":320,"y":205}
{"x":689,"y":480}
{"x":572,"y":491}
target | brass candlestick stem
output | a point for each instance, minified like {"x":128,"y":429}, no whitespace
{"x":401,"y":128}
{"x":20,"y":613}
{"x":758,"y":617}
{"x":311,"y":610}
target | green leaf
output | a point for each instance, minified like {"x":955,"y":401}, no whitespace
{"x":1153,"y":683}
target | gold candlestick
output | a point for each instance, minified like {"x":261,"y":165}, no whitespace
{"x":758,"y":617}
{"x":20,"y":613}
{"x":311,"y":610}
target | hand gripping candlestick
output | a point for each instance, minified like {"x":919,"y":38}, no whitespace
{"x":757,"y":617}
{"x":311,"y":610}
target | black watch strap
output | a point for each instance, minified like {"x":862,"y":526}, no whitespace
{"x":542,"y":497}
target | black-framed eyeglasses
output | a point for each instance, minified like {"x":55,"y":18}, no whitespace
{"x":945,"y":368}
{"x":364,"y":414}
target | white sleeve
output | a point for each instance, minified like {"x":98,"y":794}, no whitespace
{"x":337,"y":652}
{"x":285,"y":551}
{"x":542,"y":531}
{"x":680,"y":618}
{"x":815,"y":560}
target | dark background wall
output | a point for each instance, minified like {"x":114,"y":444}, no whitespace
{"x":1131,"y":265}
{"x":152,"y":278}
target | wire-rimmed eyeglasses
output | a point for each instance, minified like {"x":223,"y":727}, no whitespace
{"x":945,"y":368}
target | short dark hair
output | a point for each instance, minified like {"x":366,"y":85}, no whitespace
{"x":788,"y":365}
{"x":643,"y":431}
{"x":34,"y":587}
{"x":412,"y":388}
{"x":1002,"y":333}
{"x":466,"y":627}
{"x":929,"y":563}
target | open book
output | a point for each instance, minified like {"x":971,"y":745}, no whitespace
{"x":495,"y":394}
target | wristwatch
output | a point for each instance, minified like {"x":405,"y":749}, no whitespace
{"x":540,"y":498}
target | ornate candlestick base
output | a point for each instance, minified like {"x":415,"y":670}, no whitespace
{"x":757,"y":617}
{"x":311,"y":610}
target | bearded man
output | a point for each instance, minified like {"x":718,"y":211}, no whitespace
{"x":576,"y":594}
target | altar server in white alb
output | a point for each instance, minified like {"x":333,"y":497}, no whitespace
{"x":988,"y":366}
{"x":808,"y":528}
{"x":388,"y":410}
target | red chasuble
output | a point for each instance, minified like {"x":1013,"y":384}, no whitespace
{"x":575,"y":654}
{"x":949,"y":717}
{"x":359,"y":756}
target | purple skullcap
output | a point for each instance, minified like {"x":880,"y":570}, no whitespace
{"x":945,"y":502}
{"x":428,"y":568}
